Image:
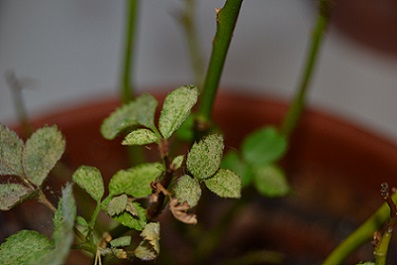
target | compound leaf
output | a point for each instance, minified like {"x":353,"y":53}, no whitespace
{"x":205,"y":157}
{"x":12,"y":194}
{"x":90,"y":179}
{"x":176,"y":108}
{"x":225,"y":183}
{"x":11,"y":148}
{"x":42,"y":150}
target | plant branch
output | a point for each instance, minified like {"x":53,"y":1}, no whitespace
{"x":295,"y":110}
{"x":361,"y":235}
{"x":126,"y":87}
{"x":226,"y":21}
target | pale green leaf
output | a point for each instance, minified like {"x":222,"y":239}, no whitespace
{"x":176,"y":108}
{"x":135,"y":181}
{"x":149,"y":248}
{"x":263,"y":146}
{"x":177,"y":162}
{"x":188,"y":189}
{"x":90,"y":179}
{"x":117,"y":205}
{"x":12,"y":194}
{"x":270,"y":181}
{"x":225,"y":183}
{"x":11,"y":147}
{"x":121,"y":241}
{"x":205,"y":157}
{"x":233,"y":162}
{"x":139,"y":112}
{"x":42,"y":150}
{"x":23,"y":247}
{"x":135,"y":222}
{"x":140,"y":137}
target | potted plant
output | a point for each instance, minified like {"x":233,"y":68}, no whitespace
{"x":122,"y":208}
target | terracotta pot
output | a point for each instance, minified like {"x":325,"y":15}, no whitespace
{"x":334,"y":167}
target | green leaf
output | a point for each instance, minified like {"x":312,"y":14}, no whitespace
{"x":135,"y":181}
{"x":23,"y":247}
{"x":11,"y":148}
{"x":176,"y":108}
{"x":270,"y":181}
{"x":149,"y":248}
{"x":90,"y":179}
{"x":225,"y":183}
{"x":117,"y":205}
{"x":134,"y":222}
{"x":263,"y":146}
{"x":11,"y":194}
{"x":139,"y":112}
{"x":121,"y":241}
{"x":140,"y":137}
{"x":205,"y":157}
{"x":42,"y":150}
{"x":188,"y":189}
{"x":177,"y":162}
{"x":233,"y":162}
{"x":186,"y":130}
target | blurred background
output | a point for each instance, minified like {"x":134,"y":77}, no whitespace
{"x":70,"y":52}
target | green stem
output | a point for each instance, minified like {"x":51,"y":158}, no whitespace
{"x":187,"y":20}
{"x":295,"y":110}
{"x":361,"y":235}
{"x":126,"y":87}
{"x":226,"y":21}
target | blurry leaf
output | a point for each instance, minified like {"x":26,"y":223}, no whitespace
{"x":185,"y":131}
{"x":12,"y":194}
{"x":117,"y":205}
{"x":135,"y":181}
{"x":90,"y":179}
{"x":42,"y":150}
{"x":139,"y":112}
{"x":176,"y":108}
{"x":205,"y":157}
{"x":188,"y":189}
{"x":263,"y":146}
{"x":23,"y":247}
{"x":11,"y":148}
{"x":177,"y":162}
{"x":140,"y":137}
{"x":149,"y":248}
{"x":225,"y":183}
{"x":270,"y":181}
{"x":233,"y":162}
{"x":134,"y":222}
{"x":179,"y":211}
{"x":121,"y":241}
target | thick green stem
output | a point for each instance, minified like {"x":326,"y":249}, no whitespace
{"x":126,"y":92}
{"x":187,"y":20}
{"x":298,"y":103}
{"x":226,"y":21}
{"x":361,"y":235}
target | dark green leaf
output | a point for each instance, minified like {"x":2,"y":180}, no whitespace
{"x":135,"y":181}
{"x":90,"y":179}
{"x":12,"y":194}
{"x":42,"y":150}
{"x":225,"y":183}
{"x":176,"y":108}
{"x":188,"y":189}
{"x":205,"y":157}
{"x":263,"y":146}
{"x":137,"y":113}
{"x":11,"y":148}
{"x":270,"y":181}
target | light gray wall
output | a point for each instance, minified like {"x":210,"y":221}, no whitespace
{"x":72,"y":49}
